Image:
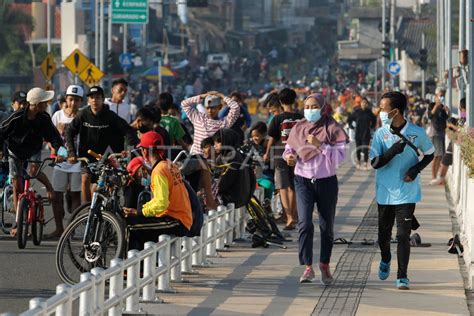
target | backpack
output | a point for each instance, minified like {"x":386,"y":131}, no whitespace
{"x":196,"y":208}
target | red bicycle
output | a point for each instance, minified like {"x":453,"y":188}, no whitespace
{"x":30,"y":211}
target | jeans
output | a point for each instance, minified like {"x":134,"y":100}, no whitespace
{"x":403,"y":213}
{"x":324,"y":193}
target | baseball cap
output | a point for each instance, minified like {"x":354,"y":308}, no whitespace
{"x":212,"y":101}
{"x":38,"y":95}
{"x":95,"y":90}
{"x":135,"y":164}
{"x":75,"y":91}
{"x":19,"y":96}
{"x":151,"y":140}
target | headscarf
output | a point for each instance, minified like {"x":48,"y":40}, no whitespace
{"x":326,"y":130}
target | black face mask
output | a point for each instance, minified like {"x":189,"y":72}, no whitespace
{"x":143,"y":129}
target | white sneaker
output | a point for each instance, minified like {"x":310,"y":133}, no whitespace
{"x":358,"y":166}
{"x":436,"y":181}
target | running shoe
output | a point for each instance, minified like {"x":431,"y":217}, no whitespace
{"x":326,"y":276}
{"x":384,"y":270}
{"x":308,"y":275}
{"x":403,"y":284}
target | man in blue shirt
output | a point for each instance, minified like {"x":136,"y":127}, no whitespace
{"x":397,"y":183}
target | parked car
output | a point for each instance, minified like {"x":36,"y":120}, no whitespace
{"x":219,"y":59}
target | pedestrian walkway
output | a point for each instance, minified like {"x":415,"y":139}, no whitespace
{"x":246,"y":281}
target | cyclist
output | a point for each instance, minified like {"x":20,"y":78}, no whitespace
{"x":66,"y":176}
{"x":24,"y":132}
{"x":170,"y":207}
{"x":117,"y":103}
{"x":99,"y":129}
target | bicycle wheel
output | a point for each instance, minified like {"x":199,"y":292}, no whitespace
{"x":73,"y":257}
{"x":37,"y":224}
{"x":22,"y":224}
{"x":260,"y":217}
{"x":81,"y":209}
{"x":8,"y":216}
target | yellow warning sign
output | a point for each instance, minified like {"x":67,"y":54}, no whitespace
{"x":48,"y":67}
{"x":77,"y":62}
{"x":91,"y":75}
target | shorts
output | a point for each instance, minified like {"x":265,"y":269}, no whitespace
{"x":61,"y":181}
{"x":448,"y":156}
{"x":16,"y":166}
{"x":438,"y":143}
{"x":284,"y":177}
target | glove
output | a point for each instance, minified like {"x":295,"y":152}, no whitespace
{"x":396,"y":148}
{"x":411,"y":174}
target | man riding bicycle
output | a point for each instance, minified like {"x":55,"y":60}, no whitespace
{"x":24,"y":132}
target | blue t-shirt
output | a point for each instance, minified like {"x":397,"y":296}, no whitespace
{"x":390,"y":187}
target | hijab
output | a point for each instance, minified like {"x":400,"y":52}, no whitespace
{"x":326,"y":130}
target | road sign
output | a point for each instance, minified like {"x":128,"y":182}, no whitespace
{"x":130,"y":11}
{"x":394,"y":68}
{"x":126,"y":61}
{"x":91,"y":75}
{"x":48,"y":67}
{"x":76,"y":62}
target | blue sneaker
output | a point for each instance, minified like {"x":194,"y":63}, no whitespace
{"x":384,"y":270}
{"x":403,"y":284}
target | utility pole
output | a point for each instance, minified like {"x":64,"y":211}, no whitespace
{"x":102,"y":35}
{"x":384,"y":37}
{"x":470,"y":47}
{"x":48,"y":24}
{"x":449,"y":50}
{"x":125,"y":31}
{"x":392,"y":35}
{"x":109,"y":42}
{"x":423,"y":74}
{"x":96,"y":12}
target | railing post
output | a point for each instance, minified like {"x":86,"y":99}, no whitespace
{"x":187,"y":262}
{"x":237,"y":223}
{"x":229,"y":219}
{"x":86,"y":298}
{"x":133,"y":281}
{"x":176,"y":253}
{"x":210,"y":228}
{"x":99,"y":293}
{"x":149,"y":269}
{"x":37,"y":302}
{"x":66,"y":308}
{"x":242,"y":221}
{"x":220,"y":243}
{"x":164,"y":260}
{"x":116,"y":287}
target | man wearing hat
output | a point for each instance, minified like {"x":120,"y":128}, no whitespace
{"x":206,"y":125}
{"x":66,"y":176}
{"x":100,"y":130}
{"x":170,"y":207}
{"x":24,"y":132}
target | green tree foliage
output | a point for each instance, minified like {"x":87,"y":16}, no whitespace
{"x":15,"y":57}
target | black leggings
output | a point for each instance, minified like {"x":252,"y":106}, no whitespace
{"x":362,"y":147}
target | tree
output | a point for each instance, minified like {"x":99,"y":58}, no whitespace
{"x":14,"y":27}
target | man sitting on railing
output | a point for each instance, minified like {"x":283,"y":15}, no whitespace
{"x":170,"y":207}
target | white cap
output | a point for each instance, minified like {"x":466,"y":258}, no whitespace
{"x":38,"y":95}
{"x":440,"y":88}
{"x":75,"y":91}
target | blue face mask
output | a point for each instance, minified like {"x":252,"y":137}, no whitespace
{"x":312,"y":115}
{"x":385,"y":120}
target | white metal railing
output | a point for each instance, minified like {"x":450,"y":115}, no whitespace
{"x":162,"y":263}
{"x":462,"y":197}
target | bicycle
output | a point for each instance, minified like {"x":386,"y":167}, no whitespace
{"x":95,"y":237}
{"x":31,"y":210}
{"x":8,"y":216}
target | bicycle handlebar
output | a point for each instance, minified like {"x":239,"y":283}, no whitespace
{"x":39,"y":168}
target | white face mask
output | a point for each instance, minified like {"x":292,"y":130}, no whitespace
{"x":386,"y":121}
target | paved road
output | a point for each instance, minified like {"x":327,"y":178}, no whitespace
{"x":30,"y":272}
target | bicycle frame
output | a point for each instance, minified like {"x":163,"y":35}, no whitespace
{"x":33,"y":202}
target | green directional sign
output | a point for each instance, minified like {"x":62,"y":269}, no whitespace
{"x":130,"y":11}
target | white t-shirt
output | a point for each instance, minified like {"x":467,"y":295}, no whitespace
{"x":60,"y":117}
{"x":125,"y":110}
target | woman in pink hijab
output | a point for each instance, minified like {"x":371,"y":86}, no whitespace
{"x":316,"y":147}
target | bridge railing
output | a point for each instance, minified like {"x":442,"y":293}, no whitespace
{"x":461,"y":188}
{"x":146,"y":272}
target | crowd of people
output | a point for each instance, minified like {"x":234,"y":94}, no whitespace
{"x":298,"y":150}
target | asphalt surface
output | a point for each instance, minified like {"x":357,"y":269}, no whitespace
{"x":30,"y":272}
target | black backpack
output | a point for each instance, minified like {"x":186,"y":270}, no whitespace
{"x":198,"y":215}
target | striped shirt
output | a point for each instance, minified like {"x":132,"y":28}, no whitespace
{"x":204,"y":126}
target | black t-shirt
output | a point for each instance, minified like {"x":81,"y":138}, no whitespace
{"x":279,"y":129}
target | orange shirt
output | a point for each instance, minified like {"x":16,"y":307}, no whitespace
{"x":170,"y":196}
